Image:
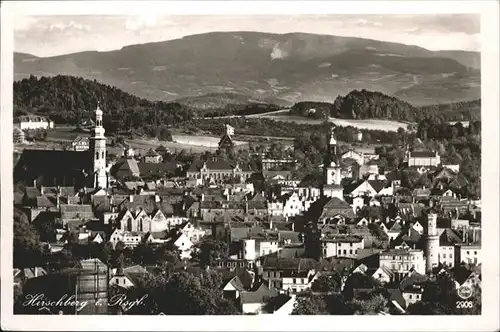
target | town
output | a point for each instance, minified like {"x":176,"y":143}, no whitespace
{"x":212,"y":236}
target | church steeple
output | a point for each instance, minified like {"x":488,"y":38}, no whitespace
{"x":98,"y":148}
{"x":332,"y":147}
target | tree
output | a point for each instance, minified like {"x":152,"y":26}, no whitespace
{"x":327,"y":284}
{"x":209,"y":250}
{"x":358,"y":281}
{"x":310,"y":305}
{"x":27,"y":248}
{"x":372,"y":306}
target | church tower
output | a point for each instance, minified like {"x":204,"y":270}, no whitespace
{"x":98,"y":149}
{"x":431,"y":243}
{"x":332,"y":162}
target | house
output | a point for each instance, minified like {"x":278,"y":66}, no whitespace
{"x":383,"y":274}
{"x":468,"y":253}
{"x":423,"y":158}
{"x":357,"y":203}
{"x":33,"y":122}
{"x":152,"y":157}
{"x":341,"y":245}
{"x":80,"y":143}
{"x":335,"y":208}
{"x":129,"y":239}
{"x":254,"y":302}
{"x":183,"y":244}
{"x":218,"y":171}
{"x":358,"y":157}
{"x":270,"y":163}
{"x":283,"y":304}
{"x":394,"y":229}
{"x":366,"y":188}
{"x":126,"y":168}
{"x":193,"y":233}
{"x":401,"y":261}
{"x":466,"y":276}
{"x":226,"y":143}
{"x":297,"y":281}
{"x":126,"y":277}
{"x":233,"y":288}
{"x":162,"y":150}
{"x":448,"y":238}
{"x":371,"y":167}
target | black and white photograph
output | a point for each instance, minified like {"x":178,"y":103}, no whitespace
{"x":240,"y":164}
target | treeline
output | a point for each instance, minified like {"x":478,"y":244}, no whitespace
{"x":68,"y":100}
{"x":363,"y":104}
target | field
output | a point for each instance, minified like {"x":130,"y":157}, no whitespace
{"x":371,"y":124}
{"x":62,"y":136}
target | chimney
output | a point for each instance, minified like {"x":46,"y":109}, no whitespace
{"x":387,"y":220}
{"x":42,"y":190}
{"x":34,"y":183}
{"x":463,"y":235}
{"x":293,"y":227}
{"x":36,"y":271}
{"x":59,"y":191}
{"x":271,"y":223}
{"x":202,"y":197}
{"x":157,"y":198}
{"x":131,"y":198}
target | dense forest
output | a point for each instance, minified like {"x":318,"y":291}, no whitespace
{"x":69,"y":100}
{"x":363,"y":104}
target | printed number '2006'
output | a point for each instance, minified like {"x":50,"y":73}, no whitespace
{"x":464,"y":304}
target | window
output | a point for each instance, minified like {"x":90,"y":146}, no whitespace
{"x":467,"y":252}
{"x":450,"y":255}
{"x":340,"y":252}
{"x":356,"y":251}
{"x":475,"y":252}
{"x":97,"y":155}
{"x":410,"y":296}
{"x":350,"y":251}
{"x":345,"y":252}
{"x":351,"y":244}
{"x":294,"y":280}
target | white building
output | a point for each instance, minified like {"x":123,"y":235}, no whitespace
{"x":296,"y":282}
{"x":33,"y":122}
{"x":468,"y":253}
{"x":341,"y":246}
{"x":129,"y":239}
{"x":403,"y":260}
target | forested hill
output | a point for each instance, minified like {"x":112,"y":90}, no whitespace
{"x":364,"y":104}
{"x":68,"y":100}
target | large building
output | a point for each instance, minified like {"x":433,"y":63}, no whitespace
{"x":66,"y":168}
{"x":33,"y":122}
{"x":423,"y":158}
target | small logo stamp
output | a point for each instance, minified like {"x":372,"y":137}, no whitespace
{"x":464,"y":292}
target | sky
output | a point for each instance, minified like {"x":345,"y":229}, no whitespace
{"x":63,"y":34}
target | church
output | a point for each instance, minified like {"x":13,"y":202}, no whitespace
{"x":77,"y":169}
{"x":332,"y":169}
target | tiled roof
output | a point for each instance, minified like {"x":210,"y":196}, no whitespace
{"x":76,"y":211}
{"x":146,"y":169}
{"x":422,"y":154}
{"x":449,"y":237}
{"x":46,"y":201}
{"x":261,"y":295}
{"x":461,"y":273}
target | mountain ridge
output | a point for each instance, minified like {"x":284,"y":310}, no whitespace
{"x":294,"y":67}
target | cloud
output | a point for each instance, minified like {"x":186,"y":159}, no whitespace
{"x":71,"y":25}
